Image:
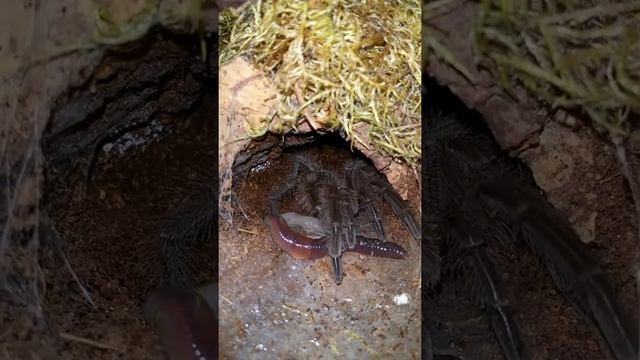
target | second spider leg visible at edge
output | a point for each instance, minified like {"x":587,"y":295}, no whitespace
{"x":370,"y":184}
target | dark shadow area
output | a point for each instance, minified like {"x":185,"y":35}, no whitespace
{"x":131,"y":190}
{"x":456,"y":311}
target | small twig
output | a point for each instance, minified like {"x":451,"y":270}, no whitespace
{"x":225,"y":299}
{"x":248,"y":231}
{"x":239,"y":205}
{"x":609,"y":178}
{"x":57,"y":242}
{"x":307,"y":114}
{"x":595,"y":11}
{"x":89,"y":342}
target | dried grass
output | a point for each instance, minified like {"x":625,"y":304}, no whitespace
{"x":576,"y":55}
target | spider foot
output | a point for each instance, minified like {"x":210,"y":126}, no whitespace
{"x":336,"y":270}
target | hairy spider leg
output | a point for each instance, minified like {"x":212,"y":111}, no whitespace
{"x":572,"y":268}
{"x":281,"y":191}
{"x":348,"y":200}
{"x":491,"y":293}
{"x":399,"y":206}
{"x":373,"y":184}
{"x":459,"y":209}
{"x":336,"y":270}
{"x":355,"y":177}
{"x":335,"y":245}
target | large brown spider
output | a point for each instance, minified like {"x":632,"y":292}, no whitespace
{"x":341,"y":213}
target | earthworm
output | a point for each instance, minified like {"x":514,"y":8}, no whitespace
{"x":311,"y":225}
{"x":188,"y":325}
{"x":303,"y":247}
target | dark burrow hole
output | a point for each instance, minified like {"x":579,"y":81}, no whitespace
{"x":258,"y":277}
{"x":130,"y":184}
{"x":549,"y":325}
{"x":268,"y":162}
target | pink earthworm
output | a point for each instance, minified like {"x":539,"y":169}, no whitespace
{"x":302,"y":247}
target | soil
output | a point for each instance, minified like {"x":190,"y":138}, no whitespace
{"x":110,"y":221}
{"x":275,"y":307}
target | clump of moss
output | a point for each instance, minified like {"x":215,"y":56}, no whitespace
{"x":571,"y":54}
{"x":338,"y":65}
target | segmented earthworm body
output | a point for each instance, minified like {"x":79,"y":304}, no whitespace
{"x":188,"y":325}
{"x":300,"y":246}
{"x":296,"y":245}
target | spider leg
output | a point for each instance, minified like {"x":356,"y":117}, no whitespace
{"x":336,"y":239}
{"x":492,"y":296}
{"x":281,"y":191}
{"x":333,"y":217}
{"x":573,"y":269}
{"x":371,"y":184}
{"x":375,"y":220}
{"x":306,"y":161}
{"x":356,"y":180}
{"x":435,"y":344}
{"x":399,"y":206}
{"x":365,"y":228}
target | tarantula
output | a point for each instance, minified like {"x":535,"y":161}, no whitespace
{"x":475,"y":202}
{"x":343,"y":217}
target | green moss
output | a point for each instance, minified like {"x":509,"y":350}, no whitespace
{"x":337,"y":64}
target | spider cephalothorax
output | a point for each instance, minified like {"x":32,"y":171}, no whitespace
{"x":341,"y":209}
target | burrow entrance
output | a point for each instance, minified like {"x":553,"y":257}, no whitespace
{"x":130,"y":190}
{"x":269,"y":293}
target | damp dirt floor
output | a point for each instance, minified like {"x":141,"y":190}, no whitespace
{"x":273,"y":306}
{"x":110,"y":229}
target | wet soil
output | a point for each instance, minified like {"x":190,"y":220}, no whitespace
{"x":112,"y":238}
{"x":275,"y":307}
